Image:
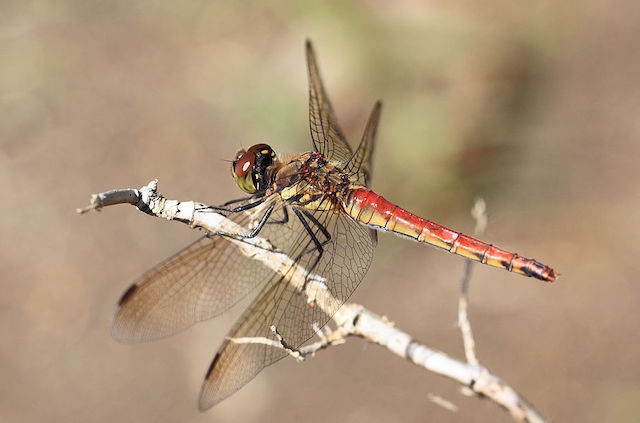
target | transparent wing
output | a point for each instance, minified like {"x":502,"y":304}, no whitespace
{"x":197,"y":283}
{"x":343,"y":264}
{"x":326,"y":134}
{"x":360,"y":166}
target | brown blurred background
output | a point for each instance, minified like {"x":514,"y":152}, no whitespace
{"x":533,"y":106}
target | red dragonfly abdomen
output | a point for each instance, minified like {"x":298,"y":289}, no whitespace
{"x":369,"y":208}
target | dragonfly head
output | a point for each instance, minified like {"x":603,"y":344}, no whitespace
{"x":250,"y":167}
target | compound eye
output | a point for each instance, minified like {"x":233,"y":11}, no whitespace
{"x":239,"y":154}
{"x":243,"y":165}
{"x":242,"y":170}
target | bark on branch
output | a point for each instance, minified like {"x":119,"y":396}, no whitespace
{"x":350,"y":320}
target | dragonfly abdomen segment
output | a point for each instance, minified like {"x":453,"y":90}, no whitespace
{"x":374,"y":210}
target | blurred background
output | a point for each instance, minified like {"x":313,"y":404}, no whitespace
{"x":532,"y":106}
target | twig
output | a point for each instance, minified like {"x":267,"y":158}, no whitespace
{"x":438,"y":400}
{"x":327,"y":339}
{"x":350,"y":319}
{"x":479,"y":213}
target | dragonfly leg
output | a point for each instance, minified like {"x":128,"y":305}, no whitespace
{"x":255,"y":231}
{"x":224,"y":208}
{"x":285,"y":218}
{"x":239,"y":208}
{"x":318,"y":246}
{"x":260,"y":195}
{"x":320,"y":226}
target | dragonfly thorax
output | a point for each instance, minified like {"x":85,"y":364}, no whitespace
{"x":310,"y":181}
{"x":251,"y":167}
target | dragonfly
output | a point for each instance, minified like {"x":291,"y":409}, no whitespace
{"x":315,"y":207}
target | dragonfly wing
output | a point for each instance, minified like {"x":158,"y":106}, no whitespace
{"x":236,"y":363}
{"x":343,"y":265}
{"x":326,"y":134}
{"x":360,"y":166}
{"x":197,"y":283}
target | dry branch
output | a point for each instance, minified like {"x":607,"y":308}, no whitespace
{"x":349,"y":320}
{"x":479,"y":213}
